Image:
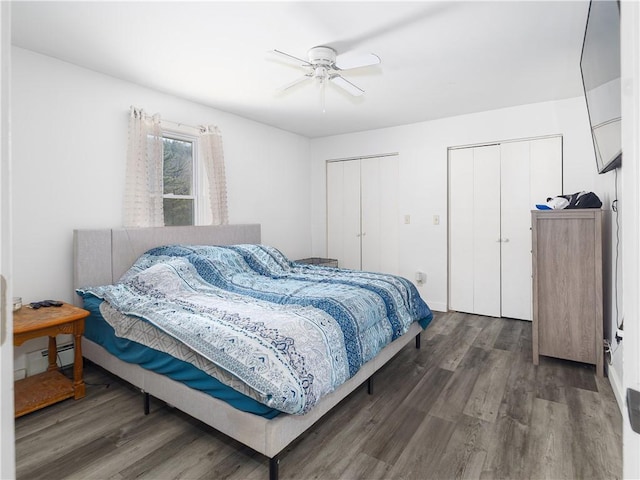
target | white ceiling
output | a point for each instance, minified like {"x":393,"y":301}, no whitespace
{"x":439,"y":59}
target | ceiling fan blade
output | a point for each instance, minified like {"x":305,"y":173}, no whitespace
{"x":295,"y":82}
{"x":429,"y":11}
{"x":303,"y":63}
{"x":346,"y":85}
{"x":356,"y":60}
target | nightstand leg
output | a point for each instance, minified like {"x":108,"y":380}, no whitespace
{"x":53,"y":354}
{"x":78,"y":382}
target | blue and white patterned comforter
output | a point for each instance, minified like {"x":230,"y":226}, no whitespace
{"x":292,"y":332}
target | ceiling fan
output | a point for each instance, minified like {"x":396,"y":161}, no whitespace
{"x":324,"y":64}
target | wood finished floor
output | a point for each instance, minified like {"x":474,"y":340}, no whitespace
{"x":468,"y":404}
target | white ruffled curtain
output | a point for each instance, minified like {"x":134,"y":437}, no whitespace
{"x":143,"y":187}
{"x":143,"y":202}
{"x":210,"y":147}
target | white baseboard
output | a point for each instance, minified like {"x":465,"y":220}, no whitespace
{"x":437,"y":307}
{"x":38,"y":361}
{"x":616,"y":385}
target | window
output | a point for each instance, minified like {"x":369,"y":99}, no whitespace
{"x":179,"y":179}
{"x":174,"y":176}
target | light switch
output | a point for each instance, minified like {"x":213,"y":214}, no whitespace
{"x":407,"y":219}
{"x":436,"y":219}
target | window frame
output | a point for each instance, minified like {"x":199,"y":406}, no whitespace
{"x":187,"y":135}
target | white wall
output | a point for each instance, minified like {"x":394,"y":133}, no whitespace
{"x":69,"y":154}
{"x":423,"y":159}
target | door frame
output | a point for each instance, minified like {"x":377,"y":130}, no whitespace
{"x":7,"y":424}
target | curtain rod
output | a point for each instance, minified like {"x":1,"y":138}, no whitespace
{"x":178,"y":124}
{"x":200,"y":128}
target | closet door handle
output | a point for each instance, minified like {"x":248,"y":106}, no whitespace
{"x":506,"y":240}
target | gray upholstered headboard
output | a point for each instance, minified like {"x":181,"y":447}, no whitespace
{"x":100,"y":257}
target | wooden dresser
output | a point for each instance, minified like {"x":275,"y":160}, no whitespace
{"x":567,"y":285}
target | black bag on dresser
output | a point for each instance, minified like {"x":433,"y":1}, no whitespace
{"x":583,"y":200}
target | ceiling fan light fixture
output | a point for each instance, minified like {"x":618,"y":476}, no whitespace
{"x":322,"y":56}
{"x":320,"y":73}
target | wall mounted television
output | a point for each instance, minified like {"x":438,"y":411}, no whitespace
{"x":600,"y":68}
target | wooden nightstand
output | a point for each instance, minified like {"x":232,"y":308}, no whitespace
{"x":323,"y":262}
{"x":43,"y":389}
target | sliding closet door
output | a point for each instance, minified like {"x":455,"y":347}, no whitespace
{"x":461,"y":230}
{"x":362,"y":213}
{"x":379,"y":210}
{"x":474,"y":223}
{"x":492,"y":192}
{"x":486,"y":226}
{"x":516,"y":231}
{"x":343,"y":213}
{"x":546,"y":169}
{"x":531,"y":172}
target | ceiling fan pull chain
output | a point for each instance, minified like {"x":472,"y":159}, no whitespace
{"x":323,"y":87}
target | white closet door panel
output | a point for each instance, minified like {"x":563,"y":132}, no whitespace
{"x":516,"y":230}
{"x":531,"y":172}
{"x":461,"y":230}
{"x":380,"y":226}
{"x":371,"y":187}
{"x":343,"y":213}
{"x":352,"y":254}
{"x":546,"y":169}
{"x":486,"y":228}
{"x":335,"y":216}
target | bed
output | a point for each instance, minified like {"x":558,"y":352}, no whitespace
{"x":102,"y":257}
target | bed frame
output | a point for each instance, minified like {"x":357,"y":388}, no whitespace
{"x":102,"y":256}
